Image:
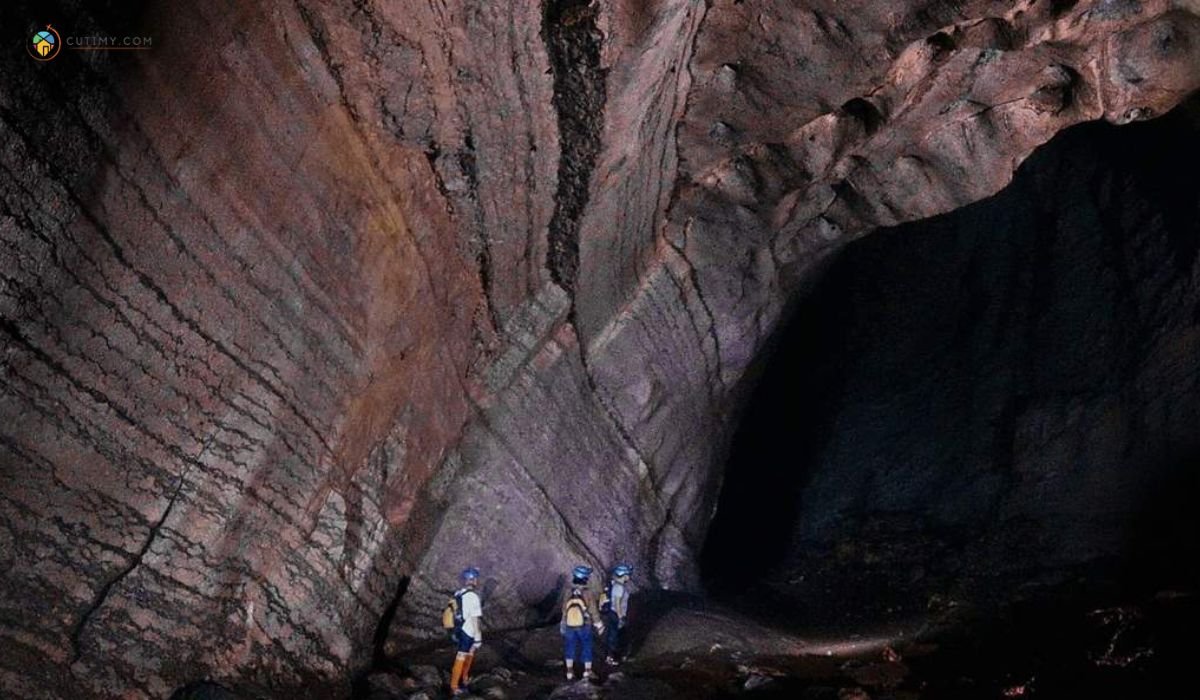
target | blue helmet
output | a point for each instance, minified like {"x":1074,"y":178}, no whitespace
{"x":622,"y":570}
{"x":470,"y":574}
{"x":581,"y":572}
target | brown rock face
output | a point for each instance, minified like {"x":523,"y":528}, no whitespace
{"x":315,"y":298}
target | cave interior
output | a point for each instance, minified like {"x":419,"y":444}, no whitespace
{"x":963,"y":461}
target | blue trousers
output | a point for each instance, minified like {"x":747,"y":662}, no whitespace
{"x":580,"y":637}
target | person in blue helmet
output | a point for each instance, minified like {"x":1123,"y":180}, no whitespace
{"x":614,"y":610}
{"x":468,"y":630}
{"x":579,"y":616}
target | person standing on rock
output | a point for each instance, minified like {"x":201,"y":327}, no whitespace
{"x":579,"y":614}
{"x":614,"y":609}
{"x":468,"y":635}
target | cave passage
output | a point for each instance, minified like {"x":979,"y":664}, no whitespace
{"x":1001,"y":397}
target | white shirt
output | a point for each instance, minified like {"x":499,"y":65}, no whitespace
{"x":620,"y":599}
{"x":472,"y":610}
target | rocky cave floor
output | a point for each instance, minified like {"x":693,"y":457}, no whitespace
{"x":1073,"y":643}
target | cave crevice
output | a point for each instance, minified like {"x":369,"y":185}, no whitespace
{"x":573,"y":43}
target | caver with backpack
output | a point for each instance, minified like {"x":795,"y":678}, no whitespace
{"x":579,"y":615}
{"x":614,"y":610}
{"x":463,"y":619}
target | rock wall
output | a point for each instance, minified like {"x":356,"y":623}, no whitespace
{"x":991,"y":401}
{"x":314,"y":303}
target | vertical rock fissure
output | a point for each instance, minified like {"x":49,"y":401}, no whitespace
{"x":482,"y":244}
{"x":693,"y":277}
{"x":320,"y":40}
{"x":379,"y":638}
{"x":155,"y":529}
{"x":573,"y":44}
{"x":106,"y":589}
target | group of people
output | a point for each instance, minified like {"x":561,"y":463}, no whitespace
{"x":584,"y":609}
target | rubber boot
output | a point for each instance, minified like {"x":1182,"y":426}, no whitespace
{"x":570,"y":663}
{"x":587,"y":671}
{"x":456,"y":673}
{"x":466,"y":672}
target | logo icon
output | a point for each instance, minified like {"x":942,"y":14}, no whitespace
{"x":45,"y":44}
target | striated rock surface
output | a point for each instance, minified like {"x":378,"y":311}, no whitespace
{"x":317,"y":302}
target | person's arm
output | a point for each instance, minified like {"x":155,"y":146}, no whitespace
{"x":593,"y":594}
{"x":562,"y":610}
{"x":594,"y":591}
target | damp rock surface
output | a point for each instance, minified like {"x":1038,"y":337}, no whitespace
{"x":315,"y":303}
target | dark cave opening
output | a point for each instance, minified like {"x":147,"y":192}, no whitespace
{"x":988,"y":405}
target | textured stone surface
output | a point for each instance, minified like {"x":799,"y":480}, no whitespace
{"x":1001,"y":396}
{"x":316,"y":298}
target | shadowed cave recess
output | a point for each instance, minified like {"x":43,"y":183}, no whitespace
{"x":314,"y":304}
{"x":989,"y":420}
{"x":991,"y":396}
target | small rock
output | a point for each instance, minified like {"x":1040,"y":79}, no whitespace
{"x":204,"y":690}
{"x":877,"y":674}
{"x":495,"y":693}
{"x":756,"y":681}
{"x":721,"y":132}
{"x":484,"y":680}
{"x":503,"y":674}
{"x":853,"y":694}
{"x":426,"y":676}
{"x":727,"y":76}
{"x":581,"y":690}
{"x":420,"y":696}
{"x":386,"y":685}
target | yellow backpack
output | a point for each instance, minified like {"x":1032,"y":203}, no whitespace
{"x":576,"y":612}
{"x":452,"y":617}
